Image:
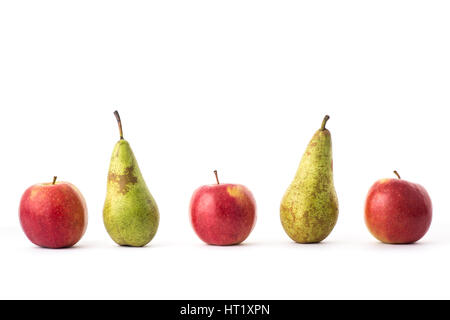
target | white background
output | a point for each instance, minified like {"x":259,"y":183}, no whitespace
{"x":237,"y":86}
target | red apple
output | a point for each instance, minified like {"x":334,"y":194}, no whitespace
{"x":223,"y":214}
{"x":53,"y":215}
{"x":398,"y":211}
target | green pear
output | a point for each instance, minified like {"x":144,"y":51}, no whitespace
{"x":309,"y":209}
{"x":130,"y":214}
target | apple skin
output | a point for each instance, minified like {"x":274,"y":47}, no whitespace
{"x":223,"y":214}
{"x":53,"y":215}
{"x":398,"y":211}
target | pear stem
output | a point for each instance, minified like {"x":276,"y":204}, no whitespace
{"x":54,"y":180}
{"x":119,"y":122}
{"x":324,"y":122}
{"x":396,"y":173}
{"x":217,"y":177}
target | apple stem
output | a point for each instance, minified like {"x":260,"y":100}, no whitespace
{"x":119,"y":122}
{"x":324,"y":122}
{"x":54,"y":180}
{"x":396,"y":173}
{"x":217,"y":177}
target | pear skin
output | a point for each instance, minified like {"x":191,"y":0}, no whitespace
{"x":309,"y":209}
{"x":130,"y":213}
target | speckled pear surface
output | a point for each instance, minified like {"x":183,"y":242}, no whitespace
{"x":309,"y":209}
{"x":130,"y":213}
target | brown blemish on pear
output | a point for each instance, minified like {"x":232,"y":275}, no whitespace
{"x":124,"y":181}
